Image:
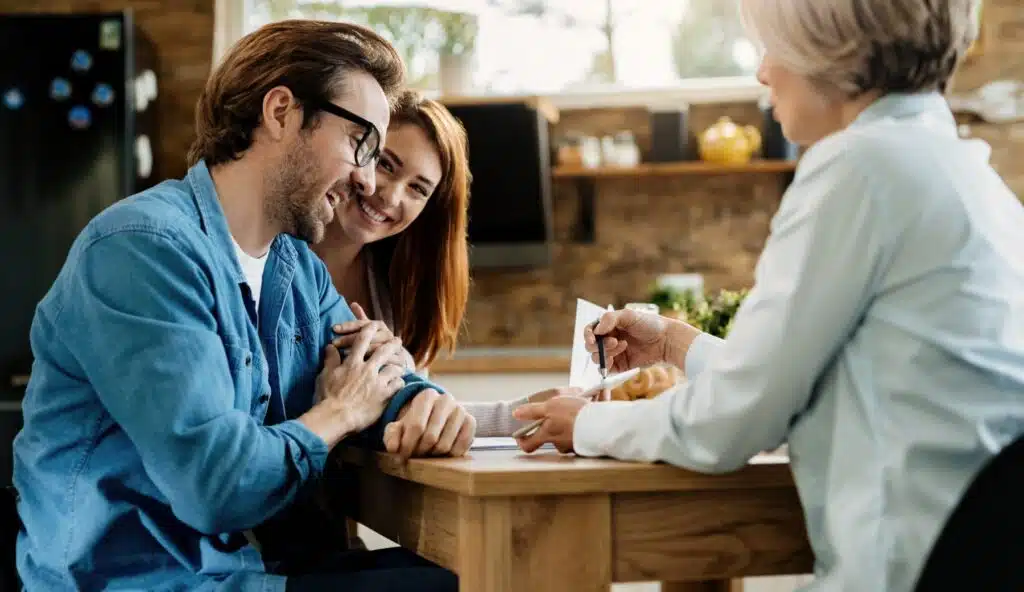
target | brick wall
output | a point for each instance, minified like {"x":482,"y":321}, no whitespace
{"x":713,"y":225}
{"x":182,"y":32}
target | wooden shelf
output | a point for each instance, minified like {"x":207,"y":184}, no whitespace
{"x":586,"y":181}
{"x":659,"y":169}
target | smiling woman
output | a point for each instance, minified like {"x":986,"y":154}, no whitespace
{"x":401,"y":251}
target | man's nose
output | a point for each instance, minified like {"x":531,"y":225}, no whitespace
{"x":364,"y":179}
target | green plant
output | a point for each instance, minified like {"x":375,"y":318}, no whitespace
{"x":459,"y":31}
{"x":673,"y":299}
{"x":712,"y":315}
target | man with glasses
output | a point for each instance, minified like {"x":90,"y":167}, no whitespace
{"x":368,"y":145}
{"x":185,"y":390}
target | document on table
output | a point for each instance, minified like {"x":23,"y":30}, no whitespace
{"x":583,"y":371}
{"x":497,"y":443}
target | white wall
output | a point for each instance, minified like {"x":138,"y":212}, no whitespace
{"x":496,"y":387}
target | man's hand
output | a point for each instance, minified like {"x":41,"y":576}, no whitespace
{"x":431,"y":424}
{"x":353,"y":394}
{"x":559,"y":415}
{"x":348,"y":331}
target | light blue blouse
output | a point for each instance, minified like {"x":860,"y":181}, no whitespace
{"x":883,"y":340}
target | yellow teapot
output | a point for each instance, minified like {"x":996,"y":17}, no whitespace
{"x":728,"y":143}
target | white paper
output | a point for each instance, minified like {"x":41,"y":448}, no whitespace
{"x":497,"y":443}
{"x":493,"y":443}
{"x":583,"y":371}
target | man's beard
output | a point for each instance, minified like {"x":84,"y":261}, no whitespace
{"x":295,"y":197}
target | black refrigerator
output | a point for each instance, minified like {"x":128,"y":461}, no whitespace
{"x":77,"y":132}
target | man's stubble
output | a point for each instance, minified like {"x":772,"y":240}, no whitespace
{"x":295,"y":194}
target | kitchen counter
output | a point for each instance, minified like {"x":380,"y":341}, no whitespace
{"x":499,"y":360}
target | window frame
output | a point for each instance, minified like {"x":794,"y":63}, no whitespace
{"x":230,"y":17}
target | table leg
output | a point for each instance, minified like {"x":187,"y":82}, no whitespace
{"x":540,"y":544}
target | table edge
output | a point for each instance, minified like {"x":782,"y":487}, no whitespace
{"x":490,"y":484}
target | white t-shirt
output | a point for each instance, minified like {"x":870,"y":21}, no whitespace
{"x":253,"y":268}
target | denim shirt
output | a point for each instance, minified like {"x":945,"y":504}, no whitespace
{"x":159,"y":419}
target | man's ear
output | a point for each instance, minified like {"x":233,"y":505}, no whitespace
{"x":279,"y":106}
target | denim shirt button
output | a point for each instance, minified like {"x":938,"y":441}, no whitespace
{"x":248,"y":360}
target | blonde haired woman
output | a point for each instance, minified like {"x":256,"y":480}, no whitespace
{"x":884,"y":336}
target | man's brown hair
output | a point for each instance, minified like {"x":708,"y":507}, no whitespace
{"x":310,"y":57}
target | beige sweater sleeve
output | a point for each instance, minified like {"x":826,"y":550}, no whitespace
{"x":495,"y":418}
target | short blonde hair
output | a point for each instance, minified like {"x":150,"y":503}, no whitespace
{"x":859,"y":46}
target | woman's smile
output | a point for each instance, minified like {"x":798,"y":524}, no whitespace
{"x":372,"y":214}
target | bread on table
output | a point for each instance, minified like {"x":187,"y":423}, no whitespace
{"x":648,"y":383}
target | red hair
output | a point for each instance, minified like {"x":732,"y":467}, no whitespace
{"x":428,"y":263}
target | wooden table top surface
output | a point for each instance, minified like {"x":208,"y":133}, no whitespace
{"x":513,"y":472}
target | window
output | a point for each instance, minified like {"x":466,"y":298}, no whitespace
{"x":544,"y":46}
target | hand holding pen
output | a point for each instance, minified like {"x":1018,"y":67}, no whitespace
{"x":629,"y":339}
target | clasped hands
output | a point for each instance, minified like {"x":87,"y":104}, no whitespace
{"x":631,"y":340}
{"x":431,"y":424}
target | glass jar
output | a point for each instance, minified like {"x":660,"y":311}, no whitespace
{"x":570,"y":151}
{"x":627,"y":153}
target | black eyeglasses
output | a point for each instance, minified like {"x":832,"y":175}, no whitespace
{"x":368,"y":146}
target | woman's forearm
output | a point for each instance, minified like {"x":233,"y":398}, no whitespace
{"x":494,"y":418}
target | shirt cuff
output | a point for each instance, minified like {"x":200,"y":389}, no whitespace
{"x":595,"y":424}
{"x":698,"y":354}
{"x":312,"y":445}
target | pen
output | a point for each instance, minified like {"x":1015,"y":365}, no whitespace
{"x":601,"y":366}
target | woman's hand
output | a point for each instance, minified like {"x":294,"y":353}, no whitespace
{"x":633,"y":339}
{"x":559,"y":415}
{"x":551,"y":393}
{"x":348,"y":332}
{"x":566,"y":391}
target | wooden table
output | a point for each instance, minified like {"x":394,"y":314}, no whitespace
{"x":507,"y":521}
